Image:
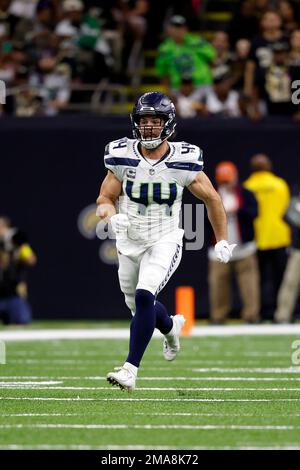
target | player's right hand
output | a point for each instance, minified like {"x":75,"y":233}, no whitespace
{"x":119,"y":223}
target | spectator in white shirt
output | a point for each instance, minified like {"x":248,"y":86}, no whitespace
{"x":23,"y":8}
{"x":221,"y":99}
{"x":188,"y":98}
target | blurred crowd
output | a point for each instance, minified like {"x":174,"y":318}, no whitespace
{"x":53,"y":51}
{"x":16,"y":257}
{"x":247,"y":70}
{"x":54,"y":45}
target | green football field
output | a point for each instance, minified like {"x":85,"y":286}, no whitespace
{"x":220,"y":393}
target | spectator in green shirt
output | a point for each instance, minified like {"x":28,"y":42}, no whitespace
{"x":183,"y":53}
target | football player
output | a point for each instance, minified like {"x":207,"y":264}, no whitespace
{"x":145,"y":180}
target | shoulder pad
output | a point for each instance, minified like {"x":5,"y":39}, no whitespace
{"x":117,"y":148}
{"x":188,"y":152}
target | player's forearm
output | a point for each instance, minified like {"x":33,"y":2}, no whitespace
{"x":105,"y":207}
{"x":217,"y":218}
{"x":203,"y":189}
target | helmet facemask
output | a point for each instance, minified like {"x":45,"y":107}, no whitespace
{"x":148,"y":134}
{"x":154,"y":105}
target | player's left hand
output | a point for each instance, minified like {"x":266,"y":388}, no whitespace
{"x":224,"y":251}
{"x":119,"y":223}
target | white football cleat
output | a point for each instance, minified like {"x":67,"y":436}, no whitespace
{"x":123,"y":378}
{"x":171,"y":345}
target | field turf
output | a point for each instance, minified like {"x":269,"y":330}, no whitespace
{"x":220,"y":393}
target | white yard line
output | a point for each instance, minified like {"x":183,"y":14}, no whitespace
{"x":222,"y":379}
{"x":31,"y":415}
{"x":113,"y":447}
{"x":152,"y":426}
{"x":88,"y":447}
{"x":108,"y":362}
{"x":215,"y":415}
{"x":156,"y":389}
{"x":123,"y":333}
{"x":222,"y":370}
{"x":262,"y":370}
{"x":150,"y":413}
{"x":184,"y":363}
{"x":42,"y":377}
{"x":26,"y":384}
{"x":171,"y":400}
{"x":163,"y":379}
{"x":95,"y":355}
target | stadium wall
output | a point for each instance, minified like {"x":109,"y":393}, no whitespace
{"x":51,"y":170}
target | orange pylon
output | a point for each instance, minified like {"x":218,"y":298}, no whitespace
{"x":185,"y":304}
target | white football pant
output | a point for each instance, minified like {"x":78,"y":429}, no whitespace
{"x":150,"y":270}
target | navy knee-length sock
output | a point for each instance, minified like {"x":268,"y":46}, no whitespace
{"x":142,"y":326}
{"x":163,"y":321}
